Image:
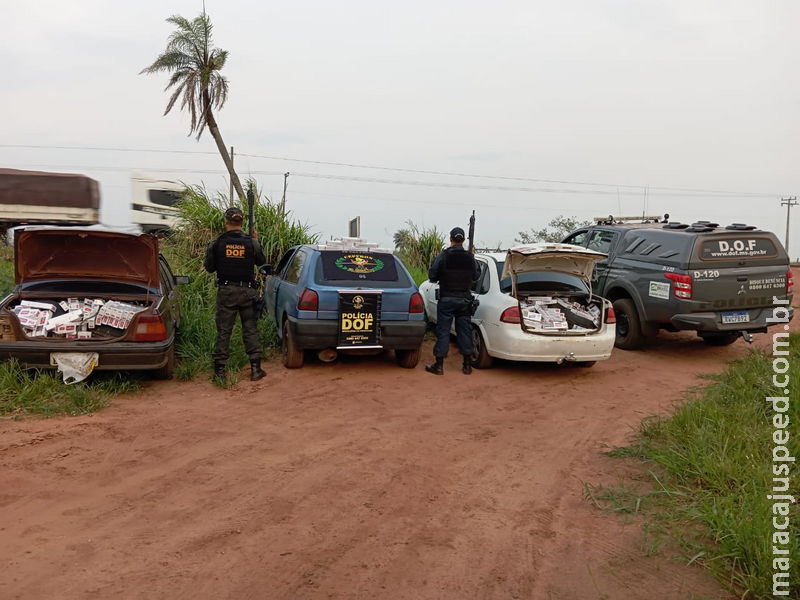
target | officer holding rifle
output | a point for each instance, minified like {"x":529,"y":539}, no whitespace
{"x":233,"y":255}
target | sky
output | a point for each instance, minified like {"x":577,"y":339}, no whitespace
{"x":422,"y":112}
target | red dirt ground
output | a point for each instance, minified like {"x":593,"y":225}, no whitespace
{"x":352,"y":480}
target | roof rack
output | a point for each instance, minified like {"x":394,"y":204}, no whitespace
{"x":351,"y":243}
{"x":611,"y":219}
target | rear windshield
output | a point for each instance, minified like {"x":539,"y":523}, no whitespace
{"x":737,"y":247}
{"x":542,"y":282}
{"x":360,"y":269}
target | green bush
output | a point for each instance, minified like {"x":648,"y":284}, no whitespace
{"x":417,"y":248}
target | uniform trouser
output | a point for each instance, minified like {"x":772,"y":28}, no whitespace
{"x":233,"y":300}
{"x":447,"y":309}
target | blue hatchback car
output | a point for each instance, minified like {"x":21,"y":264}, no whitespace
{"x":342,"y":298}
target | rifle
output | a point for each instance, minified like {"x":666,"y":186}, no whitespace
{"x":258,"y":302}
{"x":471,"y":235}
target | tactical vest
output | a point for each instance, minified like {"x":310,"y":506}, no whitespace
{"x":455,"y":274}
{"x":234,"y":256}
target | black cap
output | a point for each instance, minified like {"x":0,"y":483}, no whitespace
{"x":234,"y":214}
{"x":457,"y":234}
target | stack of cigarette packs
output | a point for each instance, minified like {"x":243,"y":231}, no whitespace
{"x":557,"y":314}
{"x":73,"y":318}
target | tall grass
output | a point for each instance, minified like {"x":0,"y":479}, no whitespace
{"x":711,"y":466}
{"x":201,"y":217}
{"x":417,"y":248}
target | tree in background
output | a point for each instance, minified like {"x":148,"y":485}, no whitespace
{"x":555,"y":231}
{"x":195,"y":67}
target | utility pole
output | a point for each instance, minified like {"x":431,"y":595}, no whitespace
{"x":231,"y":203}
{"x":789,"y":203}
{"x":283,"y":200}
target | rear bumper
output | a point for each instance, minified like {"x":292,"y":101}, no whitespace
{"x":509,"y":342}
{"x":313,"y":334}
{"x":712,"y":321}
{"x":126,"y":356}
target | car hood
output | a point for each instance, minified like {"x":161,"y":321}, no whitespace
{"x":559,"y":258}
{"x":77,"y":253}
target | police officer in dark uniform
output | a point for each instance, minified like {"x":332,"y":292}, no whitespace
{"x":455,"y":269}
{"x":234,"y":255}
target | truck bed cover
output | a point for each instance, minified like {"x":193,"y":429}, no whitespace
{"x":37,"y":188}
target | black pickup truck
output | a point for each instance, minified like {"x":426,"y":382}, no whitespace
{"x":721,"y":281}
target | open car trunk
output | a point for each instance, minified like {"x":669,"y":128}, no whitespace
{"x":55,"y":318}
{"x":82,"y":283}
{"x":560,"y":313}
{"x":560,"y":308}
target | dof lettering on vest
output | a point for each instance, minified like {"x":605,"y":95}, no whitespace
{"x":234,"y":251}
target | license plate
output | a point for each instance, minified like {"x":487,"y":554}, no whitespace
{"x":736,"y":317}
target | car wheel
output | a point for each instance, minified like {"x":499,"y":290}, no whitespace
{"x":720,"y":339}
{"x":408,"y":359}
{"x":291,"y":354}
{"x":480,"y":357}
{"x":168,"y":369}
{"x":629,"y":330}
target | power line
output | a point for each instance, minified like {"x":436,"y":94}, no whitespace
{"x":679,"y":194}
{"x":717,"y":192}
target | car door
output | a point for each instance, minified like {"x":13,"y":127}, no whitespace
{"x":601,"y":240}
{"x":273,"y":284}
{"x":481,"y":287}
{"x":289,"y":290}
{"x":170,"y":300}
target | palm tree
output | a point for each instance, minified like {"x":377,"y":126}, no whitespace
{"x":195,"y":66}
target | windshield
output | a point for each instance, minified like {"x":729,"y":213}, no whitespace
{"x":542,"y":281}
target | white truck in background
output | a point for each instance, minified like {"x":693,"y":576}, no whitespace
{"x":153,"y":202}
{"x":46,"y":198}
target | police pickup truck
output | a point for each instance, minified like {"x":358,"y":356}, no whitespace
{"x":720,"y":281}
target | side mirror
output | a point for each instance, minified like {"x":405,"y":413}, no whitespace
{"x":181,"y":279}
{"x":266,"y":270}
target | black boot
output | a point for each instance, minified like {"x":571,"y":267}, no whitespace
{"x":466,"y":368}
{"x":436,"y":368}
{"x":256,"y":372}
{"x":220,"y":374}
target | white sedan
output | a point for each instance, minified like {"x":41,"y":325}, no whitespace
{"x":536,"y":304}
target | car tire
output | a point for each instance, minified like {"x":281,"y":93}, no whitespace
{"x":720,"y":339}
{"x":480,"y":356}
{"x":408,"y":359}
{"x":168,"y":369}
{"x":629,"y":330}
{"x":292,"y":356}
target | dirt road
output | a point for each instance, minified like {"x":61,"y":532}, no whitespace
{"x":353,"y":480}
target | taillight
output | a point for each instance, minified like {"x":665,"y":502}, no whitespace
{"x":611,"y":316}
{"x":510,"y":315}
{"x":789,"y":282}
{"x":415,"y":305}
{"x":150,"y":328}
{"x":681,"y":285}
{"x":309,"y":300}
